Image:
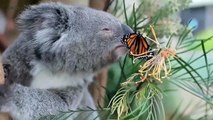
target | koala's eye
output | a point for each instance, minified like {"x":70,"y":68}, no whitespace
{"x":106,"y":29}
{"x":106,"y":32}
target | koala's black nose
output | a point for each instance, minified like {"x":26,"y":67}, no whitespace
{"x":126,"y":29}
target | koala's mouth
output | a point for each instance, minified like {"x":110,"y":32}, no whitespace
{"x":118,"y":51}
{"x":119,"y":47}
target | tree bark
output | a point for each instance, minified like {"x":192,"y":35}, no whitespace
{"x":5,"y":116}
{"x":97,"y":4}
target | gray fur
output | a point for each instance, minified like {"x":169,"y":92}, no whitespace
{"x":26,"y":103}
{"x":64,"y":39}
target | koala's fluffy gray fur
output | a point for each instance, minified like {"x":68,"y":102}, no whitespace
{"x":60,"y":40}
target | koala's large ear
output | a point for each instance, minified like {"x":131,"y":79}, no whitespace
{"x":46,"y":15}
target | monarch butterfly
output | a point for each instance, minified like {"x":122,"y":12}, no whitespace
{"x":158,"y":66}
{"x":137,"y":45}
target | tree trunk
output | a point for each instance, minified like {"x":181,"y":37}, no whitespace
{"x":97,"y":4}
{"x":5,"y":116}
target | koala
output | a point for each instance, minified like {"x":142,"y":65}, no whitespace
{"x":53,"y":60}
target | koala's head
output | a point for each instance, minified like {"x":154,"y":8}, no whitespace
{"x":72,"y":38}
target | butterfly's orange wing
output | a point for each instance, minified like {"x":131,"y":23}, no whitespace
{"x":136,"y":43}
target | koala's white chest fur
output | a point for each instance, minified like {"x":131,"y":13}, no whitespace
{"x":43,"y":78}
